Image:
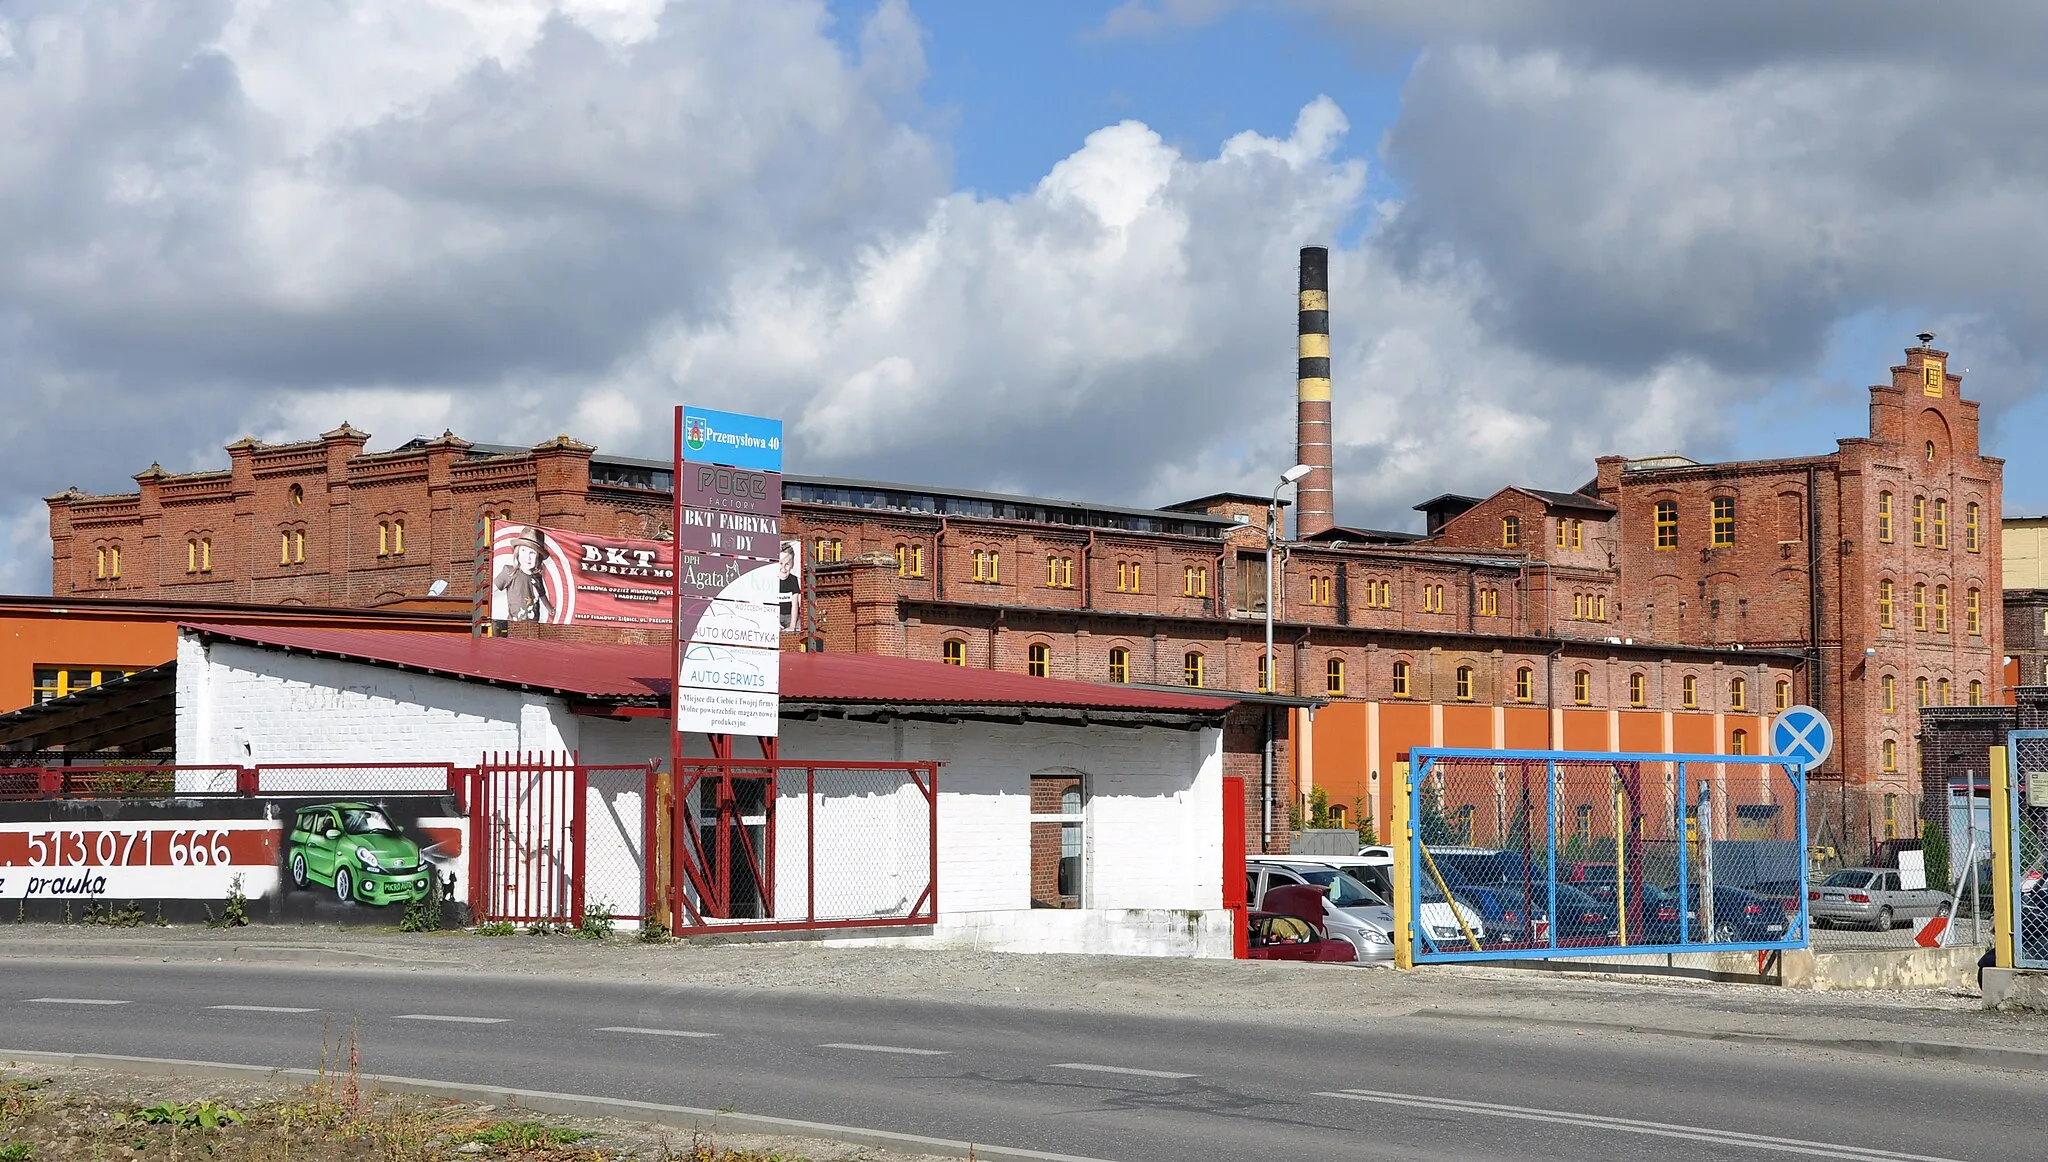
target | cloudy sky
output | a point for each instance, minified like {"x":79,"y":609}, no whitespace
{"x":1042,"y":247}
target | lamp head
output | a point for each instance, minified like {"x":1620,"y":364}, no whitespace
{"x":1295,"y":473}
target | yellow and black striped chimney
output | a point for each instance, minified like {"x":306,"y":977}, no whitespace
{"x":1314,"y":499}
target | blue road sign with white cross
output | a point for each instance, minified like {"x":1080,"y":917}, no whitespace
{"x":1803,"y":733}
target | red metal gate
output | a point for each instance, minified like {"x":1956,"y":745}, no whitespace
{"x":771,"y":846}
{"x":531,"y":851}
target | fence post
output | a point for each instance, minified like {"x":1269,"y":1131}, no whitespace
{"x":1234,"y":895}
{"x":246,"y":781}
{"x":811,"y":845}
{"x":2005,"y":820}
{"x":579,"y":831}
{"x":1401,"y":839}
{"x":1550,"y":839}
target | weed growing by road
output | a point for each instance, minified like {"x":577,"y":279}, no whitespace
{"x":424,"y":914}
{"x":496,"y":928}
{"x":234,"y":911}
{"x":17,"y":1151}
{"x":597,"y":922}
{"x":203,"y":1115}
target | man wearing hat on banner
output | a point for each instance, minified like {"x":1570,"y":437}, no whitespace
{"x":523,"y":585}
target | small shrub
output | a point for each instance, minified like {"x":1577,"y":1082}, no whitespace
{"x":203,"y":1115}
{"x":652,"y":931}
{"x":496,"y":928}
{"x":234,"y":912}
{"x":527,"y":1135}
{"x":16,"y":1151}
{"x":597,"y":922}
{"x":424,"y":914}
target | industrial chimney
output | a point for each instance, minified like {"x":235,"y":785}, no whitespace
{"x":1315,"y":504}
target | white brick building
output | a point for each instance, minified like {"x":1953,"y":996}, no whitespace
{"x":1145,"y":860}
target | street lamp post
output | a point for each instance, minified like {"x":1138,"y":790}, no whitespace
{"x":1270,"y":685}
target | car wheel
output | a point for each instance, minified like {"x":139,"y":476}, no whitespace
{"x":298,"y":869}
{"x":1884,"y":919}
{"x":344,"y":886}
{"x":1724,"y":931}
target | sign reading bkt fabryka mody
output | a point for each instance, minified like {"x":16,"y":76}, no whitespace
{"x":728,"y":570}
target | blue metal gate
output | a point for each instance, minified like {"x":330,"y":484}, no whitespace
{"x":1537,"y":854}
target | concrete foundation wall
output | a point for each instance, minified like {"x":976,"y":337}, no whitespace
{"x":1113,"y":932}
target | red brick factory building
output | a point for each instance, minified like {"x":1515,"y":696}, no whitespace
{"x":1662,"y":605}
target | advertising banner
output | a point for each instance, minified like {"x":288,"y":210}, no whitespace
{"x":734,"y":534}
{"x":717,"y":488}
{"x":789,"y":582}
{"x":328,"y":858}
{"x":559,"y":577}
{"x":733,"y":574}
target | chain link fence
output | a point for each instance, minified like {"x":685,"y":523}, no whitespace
{"x":2028,"y":752}
{"x":1520,"y":854}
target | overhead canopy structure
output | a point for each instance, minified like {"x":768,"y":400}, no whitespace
{"x":133,"y":715}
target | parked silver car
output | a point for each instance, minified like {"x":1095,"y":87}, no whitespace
{"x":1871,"y":897}
{"x":1351,"y":911}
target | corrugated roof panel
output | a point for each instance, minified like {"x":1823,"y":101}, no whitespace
{"x":616,"y":672}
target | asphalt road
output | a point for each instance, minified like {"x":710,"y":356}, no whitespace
{"x":1133,"y":1089}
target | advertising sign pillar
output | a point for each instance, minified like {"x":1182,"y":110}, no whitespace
{"x":730,"y":558}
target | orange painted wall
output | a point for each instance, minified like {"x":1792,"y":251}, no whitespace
{"x":30,"y":642}
{"x":1468,"y":726}
{"x":1345,"y":761}
{"x":1642,"y":730}
{"x":1585,"y":730}
{"x":1528,"y":728}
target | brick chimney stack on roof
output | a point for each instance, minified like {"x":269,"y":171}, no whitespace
{"x":1315,"y":503}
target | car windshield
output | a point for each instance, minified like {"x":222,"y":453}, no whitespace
{"x":1847,"y":879}
{"x":1345,"y":892}
{"x":366,"y":821}
{"x":1494,"y":867}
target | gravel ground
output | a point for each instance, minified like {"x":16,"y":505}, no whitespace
{"x":68,"y":1114}
{"x":1250,"y":991}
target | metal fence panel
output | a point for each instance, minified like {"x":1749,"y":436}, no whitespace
{"x":1535,"y":854}
{"x":526,"y":852}
{"x":352,"y":778}
{"x":766,"y":845}
{"x":2027,"y":751}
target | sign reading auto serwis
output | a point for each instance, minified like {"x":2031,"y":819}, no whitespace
{"x":728,"y":633}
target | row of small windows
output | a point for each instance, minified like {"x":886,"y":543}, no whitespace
{"x":1571,"y":533}
{"x":1589,"y":606}
{"x":1194,"y":672}
{"x":59,"y":681}
{"x":107,"y":563}
{"x":1887,"y":608}
{"x":1932,"y":518}
{"x":291,"y":546}
{"x":1925,"y":693}
{"x":391,"y":538}
{"x":199,"y":555}
{"x":1720,"y":522}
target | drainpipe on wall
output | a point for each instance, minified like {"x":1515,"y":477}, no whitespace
{"x":1088,"y":573}
{"x":1266,"y":788}
{"x":939,"y":560}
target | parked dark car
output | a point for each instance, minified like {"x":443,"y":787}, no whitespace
{"x":1594,"y":879}
{"x":1582,"y":918}
{"x":1289,"y":927}
{"x":1740,"y":916}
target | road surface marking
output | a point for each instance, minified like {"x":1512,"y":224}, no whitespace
{"x":455,"y":1020}
{"x":1124,"y":1069}
{"x":886,"y":1049}
{"x":656,"y":1032}
{"x":1633,"y":1126}
{"x":73,"y":1001}
{"x":261,"y":1009}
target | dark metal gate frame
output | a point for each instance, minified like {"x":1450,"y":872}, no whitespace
{"x":707,"y":872}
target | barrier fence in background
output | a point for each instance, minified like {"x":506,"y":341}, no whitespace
{"x":1534,"y":854}
{"x":2027,"y":754}
{"x":771,"y":845}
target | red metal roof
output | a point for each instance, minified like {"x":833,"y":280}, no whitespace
{"x":620,"y":672}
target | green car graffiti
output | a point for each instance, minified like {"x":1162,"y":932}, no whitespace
{"x":354,"y":849}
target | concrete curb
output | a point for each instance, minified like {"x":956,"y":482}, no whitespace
{"x":567,"y":1104}
{"x":1988,"y":1055}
